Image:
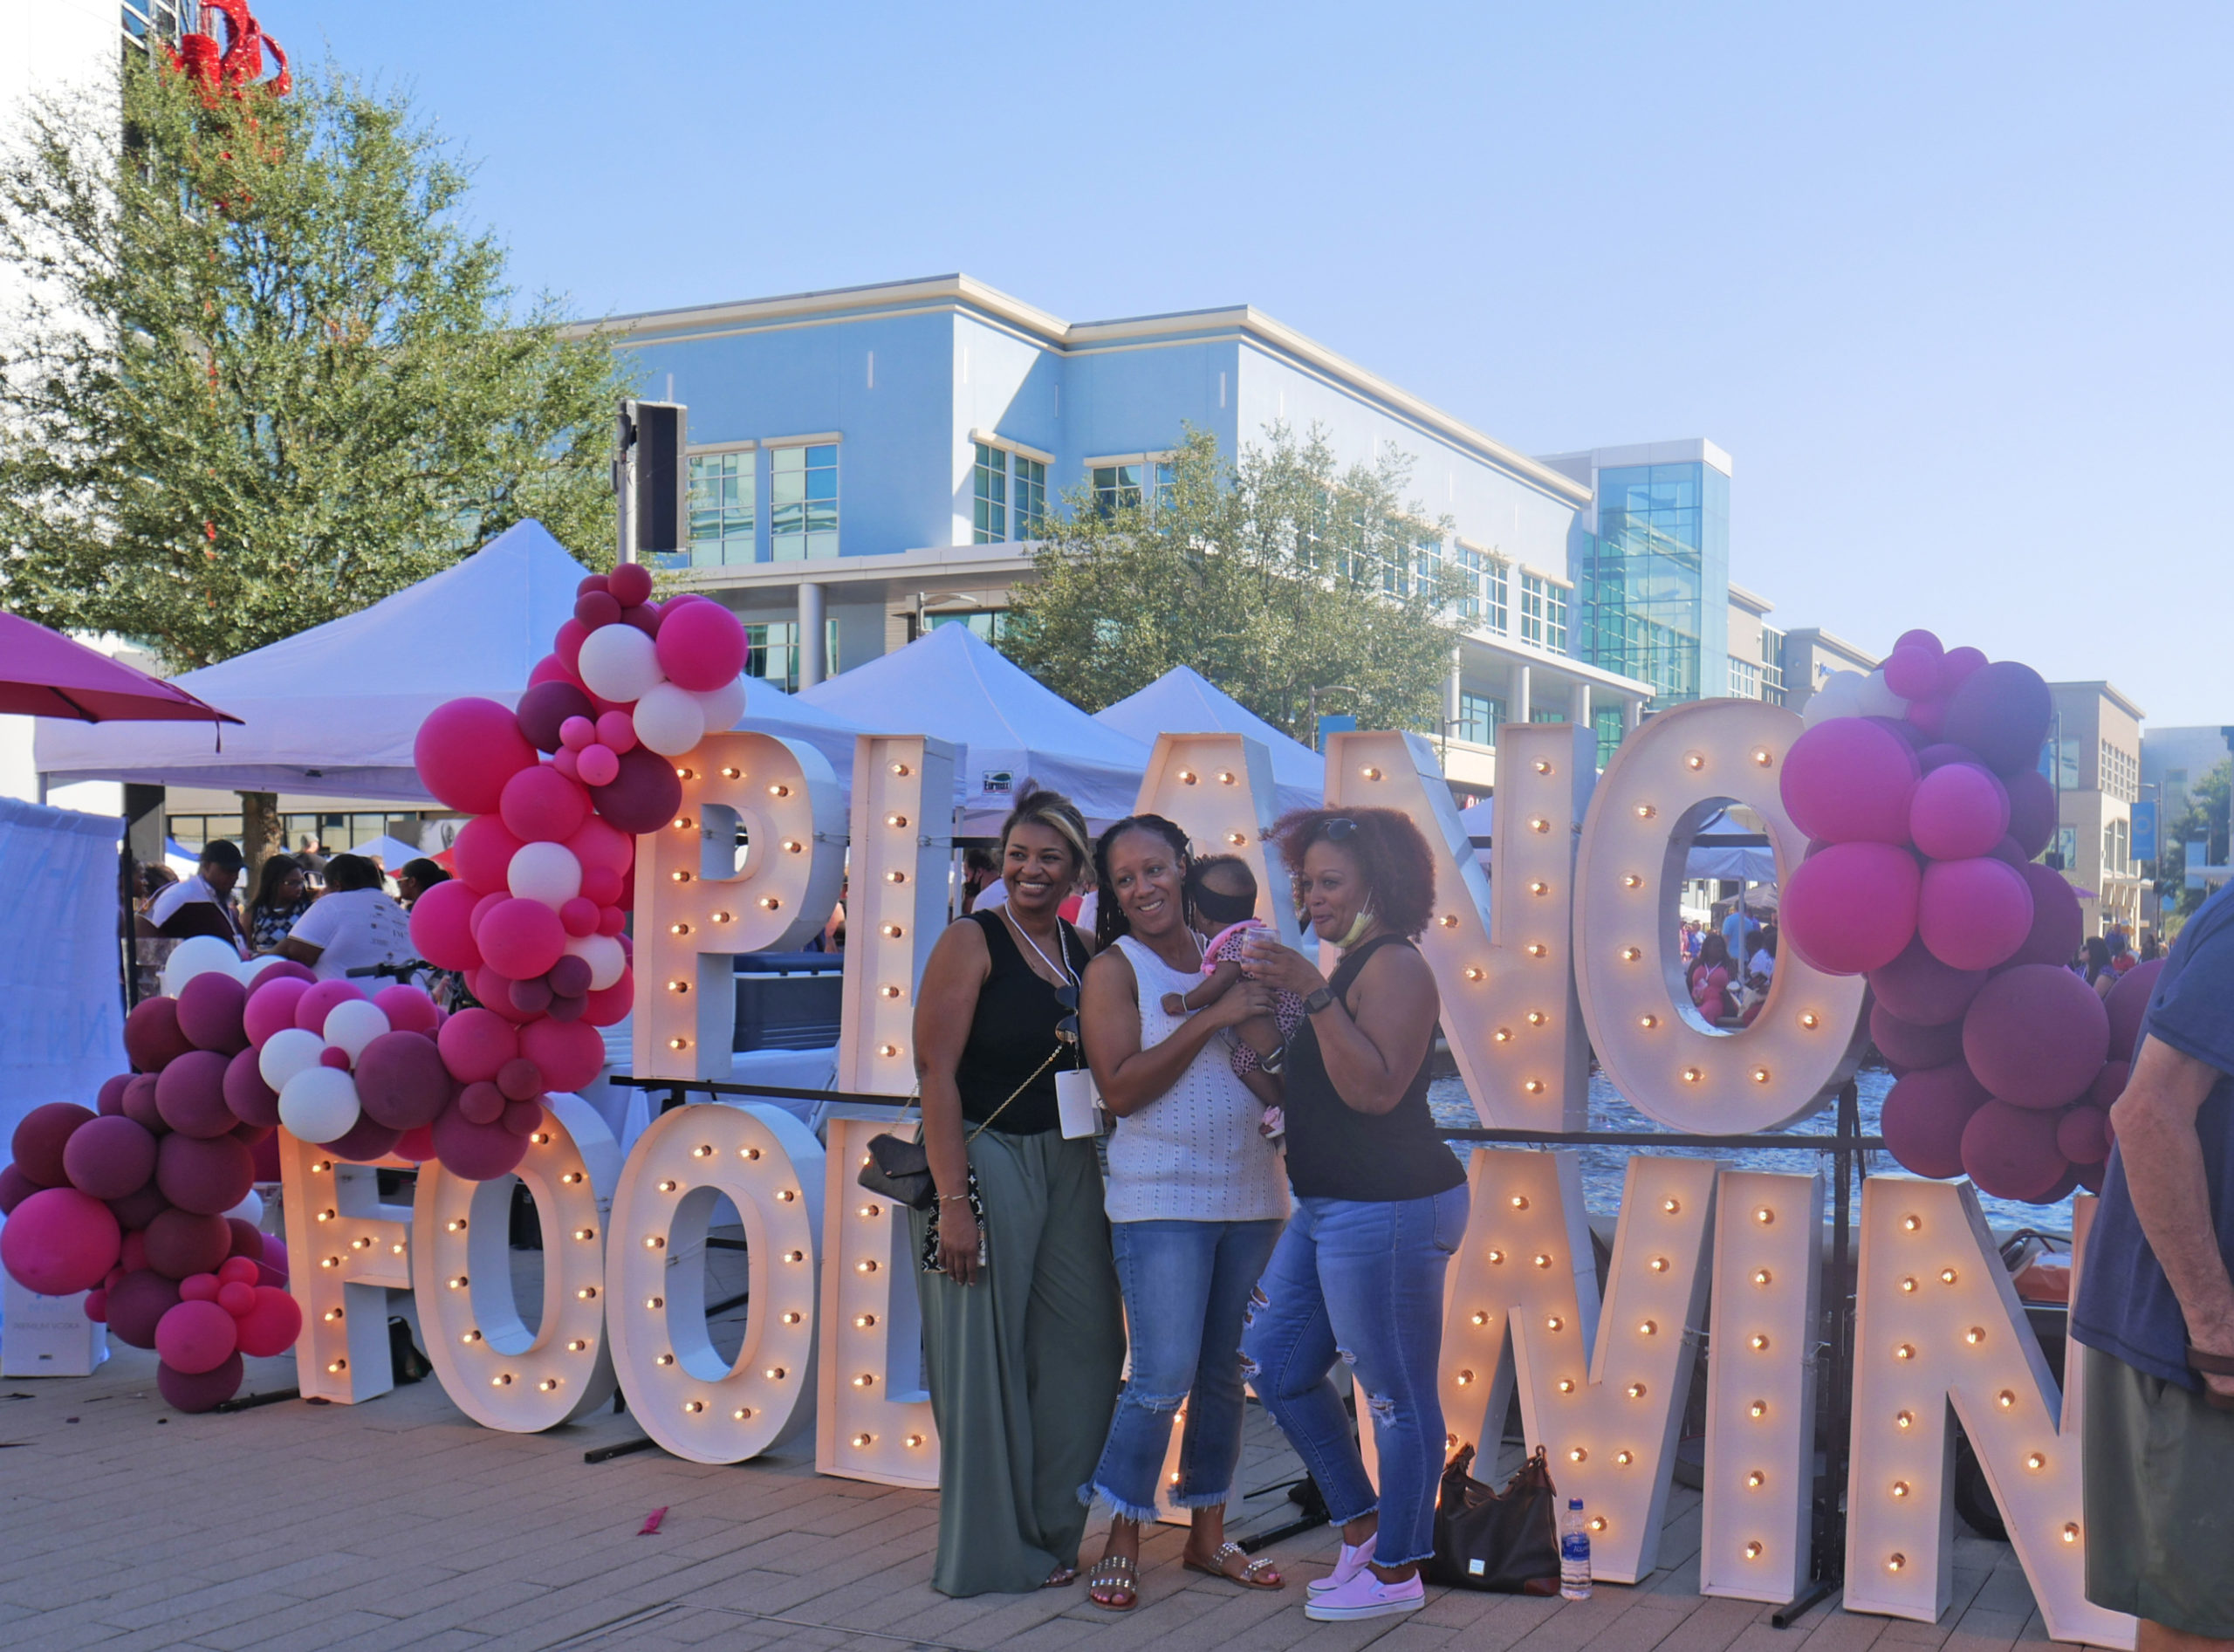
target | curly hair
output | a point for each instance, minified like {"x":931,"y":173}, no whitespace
{"x":1399,"y":867}
{"x":1036,"y":806}
{"x":1109,"y":919}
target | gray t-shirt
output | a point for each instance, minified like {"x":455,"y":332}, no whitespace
{"x":354,"y":927}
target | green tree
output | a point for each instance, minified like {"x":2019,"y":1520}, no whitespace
{"x":2203,"y":821}
{"x":1288,"y":582}
{"x":261,"y":373}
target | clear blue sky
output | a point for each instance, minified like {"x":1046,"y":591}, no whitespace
{"x":1951,"y":283}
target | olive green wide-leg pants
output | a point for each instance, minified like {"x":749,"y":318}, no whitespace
{"x":1023,"y":1366}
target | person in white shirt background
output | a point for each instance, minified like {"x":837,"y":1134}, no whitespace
{"x":355,"y":923}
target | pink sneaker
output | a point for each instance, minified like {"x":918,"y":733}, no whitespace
{"x":1347,"y":1564}
{"x":1366,"y":1596}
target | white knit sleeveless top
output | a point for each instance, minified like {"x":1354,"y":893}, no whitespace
{"x":1193,"y":1153}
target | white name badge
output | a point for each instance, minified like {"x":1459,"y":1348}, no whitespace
{"x":1077,"y":1103}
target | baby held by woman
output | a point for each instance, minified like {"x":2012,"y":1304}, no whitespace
{"x":1221,"y":891}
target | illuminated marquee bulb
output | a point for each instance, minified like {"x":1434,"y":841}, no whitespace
{"x":1186,"y":777}
{"x":1464,"y":1377}
{"x":1538,"y":887}
{"x":1503,"y":1035}
{"x":684,"y":823}
{"x":1762,"y":1277}
{"x":1764,"y":757}
{"x":895,"y":820}
{"x":895,"y":876}
{"x":1495,"y":1256}
{"x":692,"y":1408}
{"x":1908,"y":1285}
{"x":1645,"y":812}
{"x":1566,"y":1385}
{"x":1658,"y":1265}
{"x":1760,"y":1075}
{"x":893,"y":931}
{"x":1537,"y":948}
{"x":1481,"y":1317}
{"x":1671,"y":1206}
{"x":1622,"y":1459}
{"x":1692,"y":1075}
{"x":1539,"y":824}
{"x":1237,"y":839}
{"x":1648,"y":1328}
{"x":1598,"y":1522}
{"x":1753,"y":1551}
{"x":1764,"y":1216}
{"x":1759,"y":1409}
{"x":1636,"y":1390}
{"x":1542,"y":767}
{"x":1630,"y":880}
{"x":863,"y":1321}
{"x":1520,"y":1202}
{"x":779,"y":790}
{"x":889,"y":991}
{"x":1975,"y":1335}
{"x":915,"y":1439}
{"x":1225,"y":776}
{"x":1370,"y":772}
{"x":901,"y":768}
{"x":1537,"y":1018}
{"x":1694,"y":761}
{"x":742,"y":1413}
{"x":1474,"y":972}
{"x":470,"y":1338}
{"x":864,"y":1379}
{"x":864,"y":1439}
{"x":1896,"y":1561}
{"x":1760,"y":1343}
{"x":1906,"y":1351}
{"x":1912,"y":1224}
{"x":1757,"y":1480}
{"x":2006,"y":1399}
{"x":1809,"y":1019}
{"x":774,"y":1373}
{"x":769,"y":902}
{"x":1578,"y":1455}
{"x":1900,"y":1488}
{"x":1630,"y":955}
{"x":1543,"y":1260}
{"x":1553,"y":1322}
{"x":1947,"y":1276}
{"x":1534,"y":1087}
{"x":2070,"y":1531}
{"x":654,"y":1302}
{"x":1449,"y":920}
{"x":2036,"y":1463}
{"x":1904,"y":1419}
{"x":1648,"y":1022}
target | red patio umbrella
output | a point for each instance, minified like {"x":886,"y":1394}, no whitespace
{"x":44,"y":674}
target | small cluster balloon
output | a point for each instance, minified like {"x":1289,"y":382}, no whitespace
{"x":1920,"y":788}
{"x":147,"y":1202}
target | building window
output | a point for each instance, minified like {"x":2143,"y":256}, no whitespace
{"x":989,"y":478}
{"x":723,"y":492}
{"x":1745,"y":679}
{"x":2117,"y":843}
{"x":1496,"y":598}
{"x":2120,"y":773}
{"x":988,"y":623}
{"x":1545,"y":713}
{"x":1543,"y":613}
{"x":772,"y":652}
{"x":1031,"y":478}
{"x":1116,"y":487}
{"x":803,"y":500}
{"x":2067,"y":849}
{"x":1167,"y":483}
{"x":1479,"y":718}
{"x":1606,"y":723}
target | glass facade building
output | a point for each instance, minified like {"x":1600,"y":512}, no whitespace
{"x":1652,"y":583}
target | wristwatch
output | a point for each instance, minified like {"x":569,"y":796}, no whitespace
{"x":1317,"y":1000}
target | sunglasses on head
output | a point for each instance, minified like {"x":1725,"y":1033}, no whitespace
{"x":1340,"y":827}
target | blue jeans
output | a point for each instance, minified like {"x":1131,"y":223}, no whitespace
{"x":1361,"y":1281}
{"x":1186,"y":1286}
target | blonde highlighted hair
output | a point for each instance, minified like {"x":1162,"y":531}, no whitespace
{"x":1036,"y":806}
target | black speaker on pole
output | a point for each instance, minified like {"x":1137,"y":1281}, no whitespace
{"x":652,"y":478}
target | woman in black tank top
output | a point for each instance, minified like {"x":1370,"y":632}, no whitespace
{"x":1380,"y":1202}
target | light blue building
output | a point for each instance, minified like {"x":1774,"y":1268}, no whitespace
{"x":869,"y":462}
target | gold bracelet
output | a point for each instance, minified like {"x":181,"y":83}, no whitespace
{"x":943,"y":1197}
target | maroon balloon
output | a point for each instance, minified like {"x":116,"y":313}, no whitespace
{"x":252,"y":1135}
{"x":2008,"y":853}
{"x":2036,"y":1035}
{"x":530,"y":997}
{"x":110,"y":1158}
{"x":480,"y":1102}
{"x":137,"y":1303}
{"x":250,"y":1099}
{"x":190,"y":1095}
{"x":2057,"y":923}
{"x":42,"y":1135}
{"x":631,"y":583}
{"x":2109,"y":1084}
{"x":546,"y":705}
{"x":366,"y":1140}
{"x":2011,"y":1152}
{"x":520,"y":1079}
{"x":565,"y":1009}
{"x":2001,"y":712}
{"x":402,"y":1082}
{"x":210,"y":1009}
{"x":152,"y":1035}
{"x":247,"y":1240}
{"x":570,"y":976}
{"x":204,"y":1177}
{"x":1909,"y":1046}
{"x":183,"y":1242}
{"x":198,"y":1391}
{"x":140,"y":1104}
{"x":111,"y":1104}
{"x":15,"y":1188}
{"x":2032,"y":810}
{"x":596,"y":608}
{"x":1938,"y":757}
{"x":135,"y":1210}
{"x":2091,"y":1176}
{"x":1924,"y":1115}
{"x":1922,"y":991}
{"x":477,"y":1152}
{"x":2083,"y":1135}
{"x":2128,"y":1003}
{"x":646,"y":795}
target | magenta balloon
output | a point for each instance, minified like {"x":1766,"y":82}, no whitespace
{"x":195,"y":1392}
{"x":401,"y":1081}
{"x":250,"y":1099}
{"x":1928,"y":717}
{"x":522,"y":1118}
{"x":465,"y":752}
{"x":313,"y":1008}
{"x":138,"y":1210}
{"x":610,"y":1007}
{"x":2057,"y":923}
{"x":190,"y":1095}
{"x":271,"y":1324}
{"x":152,"y":1035}
{"x":566,"y":644}
{"x":475,"y":1042}
{"x":15,"y":1188}
{"x":482,"y":1102}
{"x":2001,"y":712}
{"x":701,"y":646}
{"x":271,"y":1009}
{"x":2011,"y":1152}
{"x":1939,"y":756}
{"x":2037,"y":1036}
{"x":477,"y":1152}
{"x":110,"y":1158}
{"x":408,"y":1008}
{"x":1975,"y":913}
{"x":483,"y":853}
{"x":183,"y":1242}
{"x":519,"y":1079}
{"x":441,"y":926}
{"x":204,"y":1177}
{"x":542,"y":805}
{"x":1909,"y":1046}
{"x":280,"y":969}
{"x":1923,"y":1117}
{"x":578,"y":916}
{"x":42,"y":1135}
{"x":599,"y":845}
{"x":647,"y":793}
{"x":521,"y":939}
{"x":630,"y":584}
{"x":1912,"y":672}
{"x":2083,"y":1135}
{"x":1848,"y":780}
{"x":195,"y":1337}
{"x":111,"y":1102}
{"x":570,"y":1054}
{"x":140,"y":1104}
{"x":1956,"y":667}
{"x":2110,"y":1083}
{"x":2008,"y":853}
{"x":210,"y":1008}
{"x":551,"y":668}
{"x":365,"y":1141}
{"x":1959,"y":811}
{"x":544,"y":707}
{"x":617,"y":729}
{"x":598,"y":765}
{"x":2032,"y":810}
{"x":2128,"y":1003}
{"x":59,"y":1241}
{"x":1853,"y":907}
{"x":137,"y":1304}
{"x":1922,"y":639}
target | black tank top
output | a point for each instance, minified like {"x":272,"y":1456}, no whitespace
{"x":1012,"y":1033}
{"x":1335,"y":1151}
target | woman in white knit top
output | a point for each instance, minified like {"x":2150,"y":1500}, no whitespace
{"x":1196,"y":1197}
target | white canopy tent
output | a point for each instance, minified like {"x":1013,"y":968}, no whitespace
{"x":953,"y":684}
{"x":1183,"y":701}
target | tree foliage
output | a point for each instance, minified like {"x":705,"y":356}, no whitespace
{"x":2205,"y":821}
{"x":260,"y":373}
{"x":1291,"y":584}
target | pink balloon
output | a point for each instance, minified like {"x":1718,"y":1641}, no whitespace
{"x":408,"y":1008}
{"x":271,"y":1324}
{"x":566,"y":643}
{"x":483,"y":854}
{"x":477,"y":1152}
{"x":2032,"y":810}
{"x":193,"y":1392}
{"x":2128,"y":1003}
{"x":210,"y":1008}
{"x":280,"y":969}
{"x":1922,"y":991}
{"x":1960,"y":811}
{"x":2037,"y":1036}
{"x":598,"y":765}
{"x":630,"y":584}
{"x":475,"y":1042}
{"x":271,"y":1008}
{"x":542,"y":805}
{"x":1911,"y":1047}
{"x":190,"y":1095}
{"x":1852,"y":907}
{"x":578,"y":916}
{"x":43,"y":1134}
{"x":195,"y":1337}
{"x":240,"y":1267}
{"x":1911,"y":672}
{"x":566,"y":762}
{"x":570,"y":1054}
{"x":2002,"y":713}
{"x":334,"y":1056}
{"x":546,"y":709}
{"x":1924,"y":1118}
{"x":109,"y":1158}
{"x":467,"y":749}
{"x":611,"y":1006}
{"x":2083,"y":1135}
{"x":617,"y":729}
{"x":401,"y":1081}
{"x":59,"y":1241}
{"x":601,"y":846}
{"x":551,"y":668}
{"x":1848,"y":780}
{"x":151,"y":1032}
{"x":1974,"y":913}
{"x":647,"y":793}
{"x":522,"y":938}
{"x":577,"y":732}
{"x":2057,"y":923}
{"x":613,"y":920}
{"x":313,"y":1008}
{"x":494,"y":992}
{"x":418,"y":1144}
{"x":204,"y":1177}
{"x":2011,"y":1152}
{"x":441,"y":929}
{"x":701,"y":646}
{"x":236,"y":1299}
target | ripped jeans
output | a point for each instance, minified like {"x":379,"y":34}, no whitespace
{"x":1186,"y":1286}
{"x":1361,"y":1280}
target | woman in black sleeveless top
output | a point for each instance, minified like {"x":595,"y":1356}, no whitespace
{"x":1381,"y":1203}
{"x":1017,"y":1288}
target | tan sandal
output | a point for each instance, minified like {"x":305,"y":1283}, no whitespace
{"x":1113,"y":1574}
{"x":1251,"y":1575}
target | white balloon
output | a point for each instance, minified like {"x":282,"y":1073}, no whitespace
{"x":249,"y":1209}
{"x":723,"y":706}
{"x":354,"y":1022}
{"x":197,"y":955}
{"x":603,"y":954}
{"x":1876,"y":700}
{"x":319,"y":1104}
{"x":546,"y":871}
{"x":290,"y":1051}
{"x":619,"y":663}
{"x":1839,"y":696}
{"x":248,"y":968}
{"x":669,"y":720}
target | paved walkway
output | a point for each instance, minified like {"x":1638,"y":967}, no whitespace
{"x":398,"y":1524}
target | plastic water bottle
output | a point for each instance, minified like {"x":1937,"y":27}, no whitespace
{"x":1574,"y":1553}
